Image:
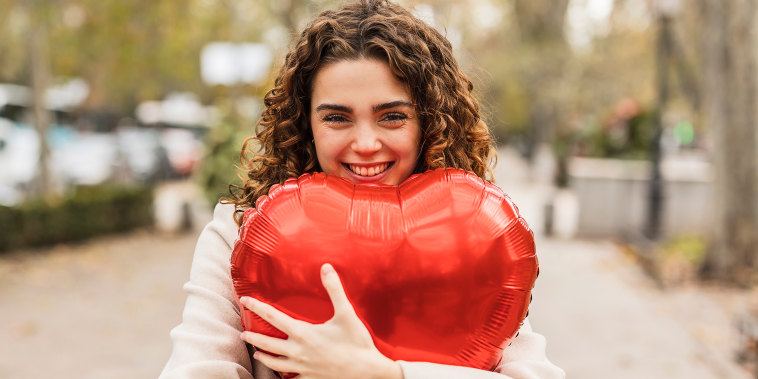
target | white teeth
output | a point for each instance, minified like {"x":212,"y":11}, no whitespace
{"x":369,"y":171}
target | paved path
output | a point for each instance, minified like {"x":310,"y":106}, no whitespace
{"x":103,"y":309}
{"x":604,"y":318}
{"x":602,"y":315}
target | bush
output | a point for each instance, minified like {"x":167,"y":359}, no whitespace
{"x":86,"y":212}
{"x":219,"y":166}
{"x":620,"y":137}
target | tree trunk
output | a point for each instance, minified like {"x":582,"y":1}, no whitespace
{"x":540,"y":24}
{"x":729,"y":106}
{"x":40,"y":79}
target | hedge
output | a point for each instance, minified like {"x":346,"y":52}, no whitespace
{"x":86,"y":212}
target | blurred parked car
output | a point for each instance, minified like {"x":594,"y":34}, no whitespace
{"x":142,"y":152}
{"x":19,"y":153}
{"x":86,"y":150}
{"x":183,"y":149}
{"x":88,"y":158}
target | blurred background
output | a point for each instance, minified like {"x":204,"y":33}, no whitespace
{"x":626,"y":135}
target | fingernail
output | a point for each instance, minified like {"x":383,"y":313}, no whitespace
{"x":246,"y":300}
{"x":327,"y":269}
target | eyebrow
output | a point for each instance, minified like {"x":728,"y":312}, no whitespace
{"x":376,"y":108}
{"x":334,"y":107}
{"x":391,"y":104}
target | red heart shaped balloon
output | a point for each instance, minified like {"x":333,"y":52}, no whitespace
{"x":439,"y":268}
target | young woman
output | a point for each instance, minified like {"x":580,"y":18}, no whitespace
{"x":372,"y":94}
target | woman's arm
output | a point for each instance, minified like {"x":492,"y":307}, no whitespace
{"x":342,"y":347}
{"x":524,"y":359}
{"x":206,"y":343}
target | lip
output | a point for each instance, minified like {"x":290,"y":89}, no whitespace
{"x":355,"y":178}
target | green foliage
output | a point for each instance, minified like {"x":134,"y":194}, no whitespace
{"x":623,"y":139}
{"x":127,"y":51}
{"x":86,"y":212}
{"x":691,"y":249}
{"x":220,"y":166}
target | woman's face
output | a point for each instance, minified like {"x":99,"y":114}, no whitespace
{"x":364,"y":124}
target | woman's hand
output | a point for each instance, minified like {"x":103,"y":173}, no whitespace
{"x":339,"y":348}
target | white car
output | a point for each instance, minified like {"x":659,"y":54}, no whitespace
{"x":19,"y":153}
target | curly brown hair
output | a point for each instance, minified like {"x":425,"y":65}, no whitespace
{"x":453,"y":133}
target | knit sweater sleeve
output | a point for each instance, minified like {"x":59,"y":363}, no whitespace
{"x":524,"y":359}
{"x":206,"y":343}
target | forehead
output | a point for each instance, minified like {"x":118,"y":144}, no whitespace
{"x":357,"y":81}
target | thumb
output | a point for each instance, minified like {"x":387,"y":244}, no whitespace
{"x":336,"y":292}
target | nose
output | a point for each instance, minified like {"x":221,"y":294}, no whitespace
{"x":365,"y":140}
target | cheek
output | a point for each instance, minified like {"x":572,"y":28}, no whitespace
{"x":323,"y":155}
{"x":328,"y":148}
{"x":411,"y":154}
{"x":414,"y":148}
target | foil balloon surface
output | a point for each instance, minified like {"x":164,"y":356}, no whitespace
{"x":439,"y":268}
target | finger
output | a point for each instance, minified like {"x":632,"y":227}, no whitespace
{"x":281,"y":364}
{"x":273,"y":345}
{"x":333,"y":286}
{"x":273,"y":316}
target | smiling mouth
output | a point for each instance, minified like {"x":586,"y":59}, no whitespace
{"x":368,"y":171}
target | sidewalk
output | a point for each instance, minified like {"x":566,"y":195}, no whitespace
{"x":101,"y":309}
{"x":98,"y":309}
{"x":603,"y":318}
{"x":601,"y":314}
